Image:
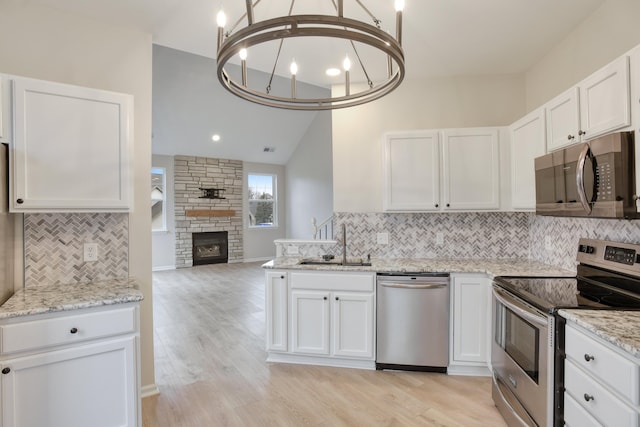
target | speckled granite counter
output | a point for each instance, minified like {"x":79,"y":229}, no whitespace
{"x":53,"y":298}
{"x":492,"y":267}
{"x":620,"y":328}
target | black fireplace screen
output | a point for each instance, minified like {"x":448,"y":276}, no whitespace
{"x":210,"y":247}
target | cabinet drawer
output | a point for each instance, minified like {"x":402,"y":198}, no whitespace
{"x":615,"y":370}
{"x":62,"y":330}
{"x":332,"y":281}
{"x":576,"y":416}
{"x":603,"y":405}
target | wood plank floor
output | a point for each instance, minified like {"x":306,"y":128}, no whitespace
{"x":211,"y":369}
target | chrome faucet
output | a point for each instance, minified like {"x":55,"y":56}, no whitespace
{"x":344,"y":244}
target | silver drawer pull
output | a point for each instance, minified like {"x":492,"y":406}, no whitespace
{"x":588,"y":397}
{"x":588,"y":357}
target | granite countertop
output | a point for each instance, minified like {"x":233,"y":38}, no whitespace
{"x":620,"y":328}
{"x":492,"y":267}
{"x":64,"y":297}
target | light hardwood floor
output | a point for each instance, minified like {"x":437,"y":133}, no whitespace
{"x":211,"y":370}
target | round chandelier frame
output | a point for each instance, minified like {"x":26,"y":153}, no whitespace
{"x":299,"y":26}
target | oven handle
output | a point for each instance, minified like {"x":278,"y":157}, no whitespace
{"x":519,"y":308}
{"x":582,"y":193}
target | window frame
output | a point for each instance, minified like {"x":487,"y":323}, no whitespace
{"x":274,"y":201}
{"x":156,"y":170}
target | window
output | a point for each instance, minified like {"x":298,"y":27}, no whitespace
{"x":262,"y":200}
{"x":158,"y":199}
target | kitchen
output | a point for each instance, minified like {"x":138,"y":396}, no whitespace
{"x":118,"y":59}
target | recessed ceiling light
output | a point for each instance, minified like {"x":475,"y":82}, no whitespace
{"x":333,"y":72}
{"x":215,"y":138}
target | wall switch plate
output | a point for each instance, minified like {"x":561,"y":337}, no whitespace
{"x":383,"y":238}
{"x":439,"y":238}
{"x":90,"y":252}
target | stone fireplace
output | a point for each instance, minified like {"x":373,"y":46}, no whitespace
{"x":196,"y":212}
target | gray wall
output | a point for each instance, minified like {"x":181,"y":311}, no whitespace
{"x":310,"y":179}
{"x":163,"y":243}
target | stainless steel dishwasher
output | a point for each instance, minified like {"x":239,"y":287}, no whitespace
{"x":413,"y":321}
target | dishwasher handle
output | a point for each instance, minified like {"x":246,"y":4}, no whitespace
{"x":416,"y":286}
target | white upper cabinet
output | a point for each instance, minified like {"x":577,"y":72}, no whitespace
{"x":528,"y":141}
{"x":604,"y":100}
{"x":598,"y":105}
{"x":412,"y":171}
{"x":70,"y":148}
{"x":563,"y":120}
{"x":455,"y":169}
{"x":471,"y":169}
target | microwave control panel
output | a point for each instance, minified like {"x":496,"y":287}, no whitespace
{"x":604,"y":180}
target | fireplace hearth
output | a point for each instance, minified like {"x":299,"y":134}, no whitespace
{"x":210,"y":247}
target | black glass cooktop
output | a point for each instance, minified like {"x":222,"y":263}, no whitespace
{"x":591,"y":289}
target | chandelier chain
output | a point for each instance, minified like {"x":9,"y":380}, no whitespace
{"x":275,"y":63}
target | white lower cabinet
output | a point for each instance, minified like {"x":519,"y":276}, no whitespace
{"x":602,"y":383}
{"x":470,"y":324}
{"x":79,"y":374}
{"x":330,"y":317}
{"x":276,"y":302}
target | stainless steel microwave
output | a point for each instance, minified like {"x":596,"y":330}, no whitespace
{"x":593,"y":179}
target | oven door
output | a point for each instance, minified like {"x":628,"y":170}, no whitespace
{"x":522,"y":359}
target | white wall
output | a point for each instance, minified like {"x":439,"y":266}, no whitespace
{"x":47,"y":44}
{"x":258,"y":242}
{"x":606,"y":34}
{"x":163,"y":243}
{"x":309,"y":175}
{"x":416,"y":104}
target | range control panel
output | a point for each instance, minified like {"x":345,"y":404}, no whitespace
{"x":613,"y":255}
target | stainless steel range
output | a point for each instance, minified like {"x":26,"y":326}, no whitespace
{"x":528,"y":335}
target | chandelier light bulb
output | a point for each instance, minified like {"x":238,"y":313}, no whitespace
{"x":399,"y":5}
{"x":293,"y":68}
{"x":243,"y":54}
{"x":346,"y":64}
{"x":221,"y":19}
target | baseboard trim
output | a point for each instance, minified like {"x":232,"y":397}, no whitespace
{"x":149,"y":390}
{"x":320,"y":361}
{"x":474,"y":371}
{"x":163,"y":268}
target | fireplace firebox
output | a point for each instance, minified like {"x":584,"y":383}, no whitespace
{"x":210,"y":247}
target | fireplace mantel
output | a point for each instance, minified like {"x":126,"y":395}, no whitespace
{"x":209,"y":212}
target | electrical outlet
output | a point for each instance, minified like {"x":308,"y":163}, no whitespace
{"x":439,"y":239}
{"x":383,"y":238}
{"x":90,"y":253}
{"x":548,"y":243}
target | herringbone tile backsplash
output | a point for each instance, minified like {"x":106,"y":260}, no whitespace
{"x":54,"y":247}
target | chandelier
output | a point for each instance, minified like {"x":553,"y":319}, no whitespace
{"x":357,"y":35}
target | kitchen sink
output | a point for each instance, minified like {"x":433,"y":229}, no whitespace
{"x":350,"y":263}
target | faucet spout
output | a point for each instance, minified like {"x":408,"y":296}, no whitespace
{"x":344,"y":244}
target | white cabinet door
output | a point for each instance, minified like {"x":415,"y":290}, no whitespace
{"x":412,"y":172}
{"x":528,"y":141}
{"x":353,"y":325}
{"x":89,"y":385}
{"x":5,"y":109}
{"x":563,"y":120}
{"x":604,"y":100}
{"x":471,"y":169}
{"x":310,"y":322}
{"x":471,"y":314}
{"x":71,"y":148}
{"x":276,"y":310}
